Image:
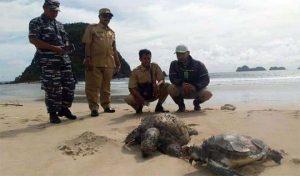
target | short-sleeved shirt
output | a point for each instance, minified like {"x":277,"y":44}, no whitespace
{"x":102,"y":42}
{"x":141,"y":75}
{"x":49,"y":31}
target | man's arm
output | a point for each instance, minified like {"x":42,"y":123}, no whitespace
{"x":87,"y":50}
{"x":137,"y":96}
{"x":87,"y":59}
{"x":87,"y":40}
{"x":43,"y":45}
{"x":160,"y":77}
{"x":173,"y":75}
{"x":132,"y":85}
{"x":34,"y":38}
{"x":116,"y":57}
{"x":203,"y":79}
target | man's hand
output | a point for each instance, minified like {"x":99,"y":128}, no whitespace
{"x":188,"y":89}
{"x":117,"y":70}
{"x":44,"y":45}
{"x":139,"y":100}
{"x":155,"y":90}
{"x":137,"y":97}
{"x":88,"y":64}
{"x":59,"y":50}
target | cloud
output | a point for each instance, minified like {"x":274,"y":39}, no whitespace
{"x":222,"y":34}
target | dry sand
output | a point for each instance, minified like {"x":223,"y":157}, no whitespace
{"x":30,"y":146}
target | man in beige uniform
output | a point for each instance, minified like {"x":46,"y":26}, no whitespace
{"x":146,"y":84}
{"x":101,"y":60}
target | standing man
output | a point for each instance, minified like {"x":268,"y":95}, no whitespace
{"x":50,"y":39}
{"x":146,"y":84}
{"x":101,"y":60}
{"x":189,"y":78}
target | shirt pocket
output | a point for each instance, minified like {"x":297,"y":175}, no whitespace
{"x":98,"y":36}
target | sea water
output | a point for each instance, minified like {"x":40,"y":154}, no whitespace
{"x":257,"y":87}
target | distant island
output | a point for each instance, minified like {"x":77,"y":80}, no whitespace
{"x":277,"y":68}
{"x":6,"y":82}
{"x":299,"y":68}
{"x":75,"y":30}
{"x":246,"y":68}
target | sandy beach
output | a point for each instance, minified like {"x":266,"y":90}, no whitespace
{"x":30,"y":145}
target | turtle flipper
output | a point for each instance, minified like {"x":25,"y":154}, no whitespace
{"x":192,"y":131}
{"x":171,"y":149}
{"x":220,"y":169}
{"x":149,"y":141}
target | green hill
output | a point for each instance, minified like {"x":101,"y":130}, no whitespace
{"x":75,"y":30}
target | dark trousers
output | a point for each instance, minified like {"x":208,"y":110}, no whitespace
{"x":58,"y":81}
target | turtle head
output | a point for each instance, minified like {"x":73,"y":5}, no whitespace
{"x":149,"y":141}
{"x":193,"y":153}
{"x":275,"y":156}
{"x":133,"y":137}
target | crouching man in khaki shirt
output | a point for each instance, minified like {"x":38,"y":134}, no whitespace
{"x":146,"y":84}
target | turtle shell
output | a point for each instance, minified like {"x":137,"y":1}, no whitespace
{"x":234,"y":145}
{"x":172,"y":130}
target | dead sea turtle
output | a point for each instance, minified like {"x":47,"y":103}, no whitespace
{"x":224,"y":152}
{"x":163,"y":132}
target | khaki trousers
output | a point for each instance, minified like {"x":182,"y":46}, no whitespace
{"x":97,"y":81}
{"x":163,"y":94}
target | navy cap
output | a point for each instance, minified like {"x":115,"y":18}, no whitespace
{"x":52,"y":4}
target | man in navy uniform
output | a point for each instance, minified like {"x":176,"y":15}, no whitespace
{"x":51,"y":40}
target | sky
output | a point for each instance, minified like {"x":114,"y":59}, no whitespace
{"x":221,"y":34}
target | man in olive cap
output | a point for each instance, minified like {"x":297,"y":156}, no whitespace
{"x":50,"y":39}
{"x":189,"y":78}
{"x":101,"y":60}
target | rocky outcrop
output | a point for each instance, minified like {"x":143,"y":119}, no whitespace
{"x":277,"y":68}
{"x":75,"y":30}
{"x":246,"y":68}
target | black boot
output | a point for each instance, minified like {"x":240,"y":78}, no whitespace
{"x":94,"y":113}
{"x":180,"y":102}
{"x":109,"y":110}
{"x":196,"y":103}
{"x":139,"y":110}
{"x":67,"y":113}
{"x":160,"y":108}
{"x":54,"y":118}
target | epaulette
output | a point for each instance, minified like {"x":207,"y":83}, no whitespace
{"x":155,"y":64}
{"x":135,"y":69}
{"x":93,"y":25}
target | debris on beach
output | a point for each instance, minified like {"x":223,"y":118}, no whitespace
{"x":88,"y":143}
{"x":11,"y":104}
{"x":295,"y":161}
{"x":228,"y":107}
{"x":209,"y":109}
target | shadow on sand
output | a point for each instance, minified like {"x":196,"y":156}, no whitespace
{"x":39,"y":127}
